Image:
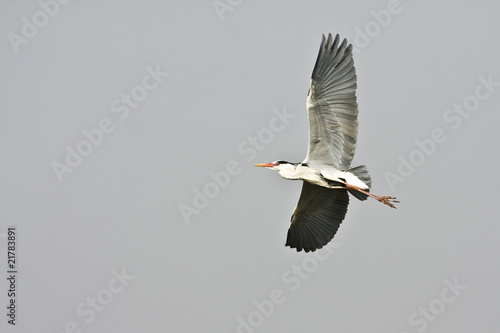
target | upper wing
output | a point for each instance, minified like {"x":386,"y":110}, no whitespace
{"x":317,"y":217}
{"x":332,"y":107}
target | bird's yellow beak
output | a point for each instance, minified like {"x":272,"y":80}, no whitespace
{"x":265,"y":165}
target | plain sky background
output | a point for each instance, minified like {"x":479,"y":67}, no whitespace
{"x":119,"y":209}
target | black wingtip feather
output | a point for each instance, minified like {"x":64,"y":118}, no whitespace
{"x":318,"y":215}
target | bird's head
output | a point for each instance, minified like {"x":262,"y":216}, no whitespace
{"x":285,"y":169}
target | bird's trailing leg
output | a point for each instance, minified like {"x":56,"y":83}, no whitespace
{"x":385,"y":200}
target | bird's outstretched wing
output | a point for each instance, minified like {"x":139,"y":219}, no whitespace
{"x":332,"y":107}
{"x":317,"y":217}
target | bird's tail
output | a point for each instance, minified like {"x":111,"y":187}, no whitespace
{"x":362,"y":173}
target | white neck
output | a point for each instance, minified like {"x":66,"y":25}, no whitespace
{"x":291,"y":171}
{"x":288,"y":171}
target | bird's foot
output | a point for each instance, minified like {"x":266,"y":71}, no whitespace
{"x":388,"y":201}
{"x":385,"y":200}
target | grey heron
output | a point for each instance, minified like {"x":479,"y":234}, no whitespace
{"x":326,"y":171}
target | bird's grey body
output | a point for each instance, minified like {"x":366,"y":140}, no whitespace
{"x":323,"y":175}
{"x":326,"y":171}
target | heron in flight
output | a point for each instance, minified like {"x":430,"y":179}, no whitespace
{"x":326,"y":171}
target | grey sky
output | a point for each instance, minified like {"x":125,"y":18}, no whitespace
{"x":165,"y":99}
